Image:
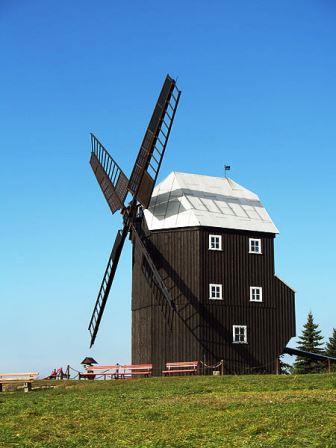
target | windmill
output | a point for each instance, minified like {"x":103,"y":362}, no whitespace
{"x":203,"y":278}
{"x":115,"y":186}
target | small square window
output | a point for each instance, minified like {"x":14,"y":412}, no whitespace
{"x":215,"y":242}
{"x":254,"y":246}
{"x":215,"y":291}
{"x":255,"y":293}
{"x":239,"y":334}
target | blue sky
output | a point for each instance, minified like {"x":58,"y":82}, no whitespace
{"x":258,"y":93}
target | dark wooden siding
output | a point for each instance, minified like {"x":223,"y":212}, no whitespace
{"x":168,"y":335}
{"x":202,"y":328}
{"x":269,"y":323}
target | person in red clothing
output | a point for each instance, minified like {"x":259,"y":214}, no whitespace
{"x":53,"y":375}
{"x":60,"y":373}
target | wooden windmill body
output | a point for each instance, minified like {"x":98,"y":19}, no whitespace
{"x":188,"y":213}
{"x":203,"y":281}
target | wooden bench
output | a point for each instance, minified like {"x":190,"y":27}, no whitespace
{"x":116,"y":371}
{"x":133,"y":370}
{"x":174,"y":368}
{"x":18,"y":378}
{"x":113,"y":371}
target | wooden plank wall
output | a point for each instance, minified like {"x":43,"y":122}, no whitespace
{"x":201,"y":328}
{"x":172,"y":335}
{"x":269,"y":323}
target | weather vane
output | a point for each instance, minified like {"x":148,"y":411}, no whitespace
{"x":226,"y":168}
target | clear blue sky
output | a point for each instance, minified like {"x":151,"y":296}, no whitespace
{"x":258,"y":92}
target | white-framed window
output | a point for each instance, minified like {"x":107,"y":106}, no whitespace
{"x":215,"y":242}
{"x":239,"y":334}
{"x":255,"y":245}
{"x":215,"y":291}
{"x":255,"y":293}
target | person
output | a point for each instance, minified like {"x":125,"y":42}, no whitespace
{"x":60,"y":373}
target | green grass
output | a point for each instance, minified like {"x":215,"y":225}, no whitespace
{"x":228,"y":411}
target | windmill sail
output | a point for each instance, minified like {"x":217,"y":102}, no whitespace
{"x":106,"y":284}
{"x":115,"y":187}
{"x":110,"y":177}
{"x":153,"y":146}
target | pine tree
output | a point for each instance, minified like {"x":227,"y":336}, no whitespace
{"x":309,"y":341}
{"x":331,"y":345}
{"x":284,"y":368}
{"x":331,"y":349}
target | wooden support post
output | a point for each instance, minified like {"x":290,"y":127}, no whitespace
{"x":222,"y":367}
{"x":277,"y":366}
{"x":329,"y":366}
{"x":27,"y":387}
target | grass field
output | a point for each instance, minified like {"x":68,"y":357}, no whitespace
{"x":228,"y":411}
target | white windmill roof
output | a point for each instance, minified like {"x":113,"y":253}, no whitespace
{"x":187,"y":200}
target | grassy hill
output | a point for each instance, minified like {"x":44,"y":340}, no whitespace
{"x":229,"y":411}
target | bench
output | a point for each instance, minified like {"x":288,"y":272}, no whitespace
{"x":133,"y":370}
{"x":18,"y":378}
{"x":188,"y":368}
{"x":116,"y":371}
{"x":113,"y":371}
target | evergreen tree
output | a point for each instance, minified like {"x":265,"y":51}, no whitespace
{"x":309,"y":341}
{"x":331,"y":349}
{"x":331,"y":345}
{"x":284,"y":368}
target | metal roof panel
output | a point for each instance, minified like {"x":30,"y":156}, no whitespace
{"x":184,"y":200}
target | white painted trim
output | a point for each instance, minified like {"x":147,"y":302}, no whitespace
{"x":220,"y":241}
{"x":220,"y":291}
{"x":251,"y":293}
{"x":260,"y":248}
{"x":233,"y":334}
